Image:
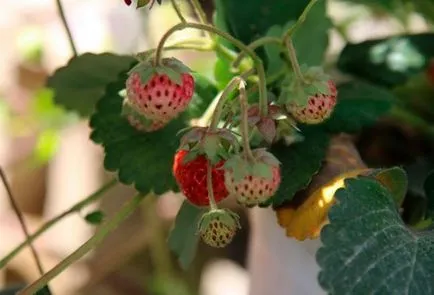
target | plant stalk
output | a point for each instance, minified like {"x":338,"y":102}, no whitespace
{"x":66,"y":27}
{"x":77,"y":207}
{"x":86,"y":247}
{"x":263,"y":101}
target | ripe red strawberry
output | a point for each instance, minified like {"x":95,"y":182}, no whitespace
{"x":160,"y":93}
{"x":218,"y":227}
{"x":318,"y":108}
{"x":253,"y":183}
{"x":191,"y":178}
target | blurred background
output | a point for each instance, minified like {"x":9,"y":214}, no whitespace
{"x":51,"y":163}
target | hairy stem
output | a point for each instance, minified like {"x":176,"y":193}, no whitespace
{"x":197,"y":7}
{"x":255,"y":44}
{"x":65,"y":25}
{"x":212,"y":202}
{"x":105,"y":229}
{"x":177,"y":46}
{"x":218,"y":110}
{"x":263,"y":102}
{"x":287,"y":41}
{"x":244,"y":122}
{"x":77,"y":207}
{"x":21,"y":220}
{"x":294,"y":61}
{"x":178,"y":10}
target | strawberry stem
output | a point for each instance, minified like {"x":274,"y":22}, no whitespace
{"x":212,"y":202}
{"x":287,"y":41}
{"x":259,"y":66}
{"x":255,"y":44}
{"x":178,"y":11}
{"x":201,"y":15}
{"x":223,"y":97}
{"x":244,"y":122}
{"x":294,"y":62}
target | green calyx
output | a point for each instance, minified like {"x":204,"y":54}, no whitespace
{"x":262,"y":166}
{"x":298,"y":92}
{"x":224,"y":216}
{"x":213,"y":144}
{"x":171,"y":67}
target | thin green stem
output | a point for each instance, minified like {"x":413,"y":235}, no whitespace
{"x":244,"y":122}
{"x":20,"y":216}
{"x":300,"y":19}
{"x":287,"y":41}
{"x":201,"y":15}
{"x":178,"y":46}
{"x":178,"y":11}
{"x":160,"y":254}
{"x":65,"y":25}
{"x":255,"y":44}
{"x":293,"y":58}
{"x":77,"y":207}
{"x":212,"y":202}
{"x":218,"y":110}
{"x":105,"y":229}
{"x":258,"y":62}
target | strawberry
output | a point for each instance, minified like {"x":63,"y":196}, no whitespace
{"x":128,"y":2}
{"x":218,"y":227}
{"x":319,"y":107}
{"x":191,"y":177}
{"x":138,"y":121}
{"x":252,"y":182}
{"x":160,"y":93}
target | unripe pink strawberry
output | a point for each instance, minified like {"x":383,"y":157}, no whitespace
{"x":160,"y":94}
{"x":252,"y":182}
{"x":319,"y":107}
{"x":138,"y":121}
{"x":218,"y":227}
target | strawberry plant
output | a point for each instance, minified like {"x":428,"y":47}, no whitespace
{"x":263,"y":131}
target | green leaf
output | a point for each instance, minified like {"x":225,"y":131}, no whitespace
{"x":95,"y":217}
{"x":367,"y":249}
{"x":359,"y":105}
{"x":299,"y":162}
{"x":222,"y":72}
{"x":204,"y":93}
{"x":429,"y":191}
{"x":395,"y":179}
{"x":249,"y":21}
{"x":183,"y":239}
{"x":44,"y":291}
{"x":142,"y":159}
{"x":80,"y":83}
{"x":390,"y":61}
{"x":315,"y":27}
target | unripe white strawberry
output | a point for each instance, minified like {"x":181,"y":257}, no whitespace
{"x":319,"y":107}
{"x":218,"y":227}
{"x":160,"y":93}
{"x":252,"y":183}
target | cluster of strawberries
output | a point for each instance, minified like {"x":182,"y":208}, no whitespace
{"x":158,"y":94}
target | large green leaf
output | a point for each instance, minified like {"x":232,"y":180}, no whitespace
{"x":142,"y":159}
{"x":429,"y":191}
{"x":250,"y":20}
{"x":183,"y":239}
{"x":82,"y":82}
{"x":299,"y":162}
{"x":367,"y":249}
{"x":359,"y":104}
{"x":314,"y":30}
{"x":389,"y":61}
